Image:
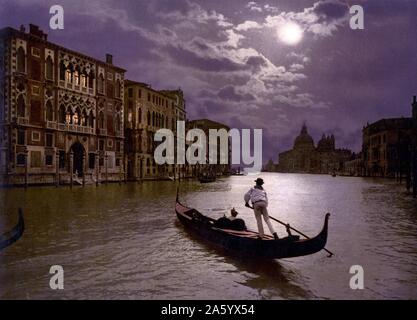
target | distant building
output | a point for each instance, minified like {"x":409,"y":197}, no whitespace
{"x":304,"y":157}
{"x":218,"y":169}
{"x":354,"y":167}
{"x":148,"y":110}
{"x":387,"y":146}
{"x":61,"y":112}
{"x":270,"y":167}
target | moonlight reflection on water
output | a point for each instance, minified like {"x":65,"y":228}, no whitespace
{"x":117,"y":242}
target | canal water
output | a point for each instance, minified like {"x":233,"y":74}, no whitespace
{"x":124,"y":242}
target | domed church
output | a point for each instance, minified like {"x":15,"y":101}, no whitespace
{"x":304,"y":157}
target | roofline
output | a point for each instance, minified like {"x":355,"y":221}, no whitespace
{"x":209,"y":120}
{"x":389,"y":119}
{"x":14,"y":31}
{"x":148,"y":86}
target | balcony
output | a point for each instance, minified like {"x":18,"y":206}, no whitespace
{"x":23,"y":121}
{"x":119,"y":134}
{"x":102,"y":132}
{"x":75,"y":128}
{"x":51,"y":125}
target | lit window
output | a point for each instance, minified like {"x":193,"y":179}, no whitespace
{"x":83,"y":81}
{"x":77,"y":78}
{"x":68,"y":76}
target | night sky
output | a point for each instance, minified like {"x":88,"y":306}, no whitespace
{"x":229,"y":58}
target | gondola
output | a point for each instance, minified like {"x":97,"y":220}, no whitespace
{"x":246,"y":243}
{"x":12,"y":236}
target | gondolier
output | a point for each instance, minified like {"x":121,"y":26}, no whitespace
{"x":257,"y":195}
{"x":245,"y":242}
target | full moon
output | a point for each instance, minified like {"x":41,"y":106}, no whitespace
{"x":290,"y":33}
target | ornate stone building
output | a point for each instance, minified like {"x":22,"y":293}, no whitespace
{"x":61,"y":112}
{"x":148,"y":110}
{"x":388,"y":146}
{"x":217,"y":169}
{"x":306,"y":158}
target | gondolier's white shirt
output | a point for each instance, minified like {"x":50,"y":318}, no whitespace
{"x":255,"y":195}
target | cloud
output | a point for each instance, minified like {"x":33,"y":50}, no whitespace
{"x":254,"y":6}
{"x":193,"y":60}
{"x":323,"y":18}
{"x":247,"y":25}
{"x":229,"y":93}
{"x":233,"y":68}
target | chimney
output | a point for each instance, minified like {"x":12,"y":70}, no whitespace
{"x":22,"y":28}
{"x":35,"y":31}
{"x":414,"y":100}
{"x":109,"y":58}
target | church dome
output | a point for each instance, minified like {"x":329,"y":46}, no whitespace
{"x":304,"y":140}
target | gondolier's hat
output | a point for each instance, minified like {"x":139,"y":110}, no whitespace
{"x":259,"y":181}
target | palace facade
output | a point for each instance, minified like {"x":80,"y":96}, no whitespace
{"x":217,"y":169}
{"x":304,"y":157}
{"x":68,"y":118}
{"x":389,"y":146}
{"x":61,"y":113}
{"x":148,"y":110}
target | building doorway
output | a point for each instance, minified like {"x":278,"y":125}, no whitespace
{"x":78,"y":166}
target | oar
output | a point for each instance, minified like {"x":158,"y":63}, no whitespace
{"x":288,"y":226}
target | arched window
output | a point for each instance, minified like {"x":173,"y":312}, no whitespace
{"x":166,"y":122}
{"x":77,"y":76}
{"x":153,"y":119}
{"x":62,"y":114}
{"x":69,"y":74}
{"x":84,"y":118}
{"x":118,"y":88}
{"x":149,"y":118}
{"x":101,"y":120}
{"x":101,"y":83}
{"x":62,"y":70}
{"x":68,"y":116}
{"x":76,"y":118}
{"x":140,"y":115}
{"x":49,"y":111}
{"x":49,"y":68}
{"x":91,"y":80}
{"x":118,"y":124}
{"x":21,"y":60}
{"x":91,"y":119}
{"x":84,"y":80}
{"x":21,"y":108}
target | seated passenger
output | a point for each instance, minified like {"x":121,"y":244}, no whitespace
{"x":233,"y":214}
{"x":231,"y":222}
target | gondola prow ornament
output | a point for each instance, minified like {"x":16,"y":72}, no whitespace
{"x":12,"y":236}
